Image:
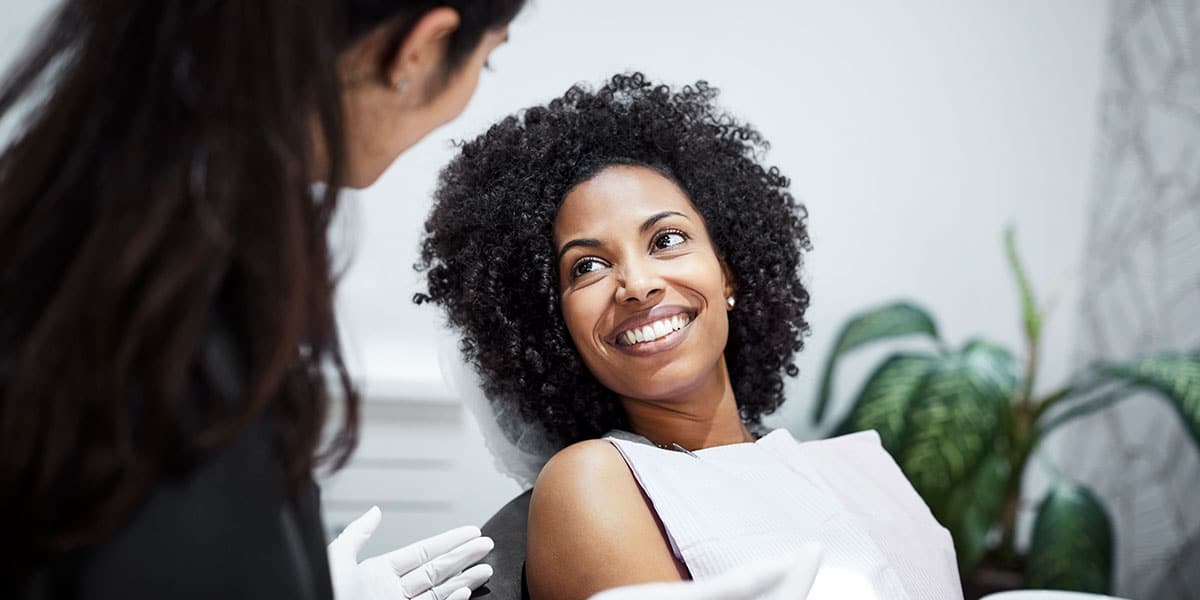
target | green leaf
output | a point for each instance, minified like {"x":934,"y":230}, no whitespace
{"x":888,"y":321}
{"x":1072,"y":544}
{"x":1086,"y":407}
{"x":992,"y":369}
{"x":973,"y":509}
{"x":1174,"y":375}
{"x":1029,"y":311}
{"x":883,"y":402}
{"x":973,"y":506}
{"x":940,"y":416}
{"x":953,"y":424}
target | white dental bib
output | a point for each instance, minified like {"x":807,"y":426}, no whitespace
{"x":727,"y":506}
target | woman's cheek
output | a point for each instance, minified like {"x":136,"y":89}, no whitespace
{"x":582,"y":310}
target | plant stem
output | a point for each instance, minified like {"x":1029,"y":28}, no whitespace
{"x":1031,"y":365}
{"x":1023,"y":435}
{"x":1041,"y":406}
{"x":1021,"y":445}
{"x":1028,"y":431}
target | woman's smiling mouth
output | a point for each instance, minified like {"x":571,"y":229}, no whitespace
{"x":660,"y":328}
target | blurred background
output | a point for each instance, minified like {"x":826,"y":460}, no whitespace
{"x":914,"y":133}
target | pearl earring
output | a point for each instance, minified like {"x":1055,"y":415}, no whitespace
{"x":731,"y":301}
{"x":400,"y":85}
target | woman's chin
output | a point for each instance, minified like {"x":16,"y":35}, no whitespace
{"x":662,"y":387}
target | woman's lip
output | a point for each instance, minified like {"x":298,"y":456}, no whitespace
{"x":644,"y":318}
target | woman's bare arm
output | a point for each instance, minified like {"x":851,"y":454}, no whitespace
{"x":591,"y":528}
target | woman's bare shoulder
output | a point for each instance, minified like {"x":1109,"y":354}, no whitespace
{"x":585,"y":488}
{"x":591,"y":466}
{"x":591,"y":528}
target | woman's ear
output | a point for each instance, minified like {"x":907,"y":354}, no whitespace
{"x":727,"y":282}
{"x":416,"y":62}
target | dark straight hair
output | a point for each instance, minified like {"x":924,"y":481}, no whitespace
{"x":160,"y":188}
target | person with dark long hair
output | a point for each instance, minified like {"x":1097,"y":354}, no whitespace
{"x":168,"y":352}
{"x":167,"y":332}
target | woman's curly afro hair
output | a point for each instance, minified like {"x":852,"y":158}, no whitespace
{"x":491,"y":263}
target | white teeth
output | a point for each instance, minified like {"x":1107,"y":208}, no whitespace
{"x":655,"y":330}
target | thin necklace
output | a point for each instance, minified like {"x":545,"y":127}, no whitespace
{"x":676,"y":447}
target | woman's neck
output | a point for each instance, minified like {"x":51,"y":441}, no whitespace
{"x":703,"y":417}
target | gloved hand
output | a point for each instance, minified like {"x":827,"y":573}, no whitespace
{"x":431,"y":569}
{"x":787,"y":578}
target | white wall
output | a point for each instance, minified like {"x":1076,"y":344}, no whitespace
{"x":913,"y":131}
{"x":18,"y":21}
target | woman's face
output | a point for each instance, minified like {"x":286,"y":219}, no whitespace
{"x":383,"y":121}
{"x":643,"y":291}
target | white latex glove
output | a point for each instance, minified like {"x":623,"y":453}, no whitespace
{"x":787,"y":578}
{"x":431,"y":569}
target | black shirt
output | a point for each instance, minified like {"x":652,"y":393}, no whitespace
{"x":228,"y":528}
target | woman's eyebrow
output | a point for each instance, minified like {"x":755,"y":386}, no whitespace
{"x":594,"y":243}
{"x":583,"y":242}
{"x":660,"y":216}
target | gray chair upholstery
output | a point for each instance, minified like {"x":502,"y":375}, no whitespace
{"x":507,"y":529}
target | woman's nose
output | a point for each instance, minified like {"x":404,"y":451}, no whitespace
{"x":638,"y":283}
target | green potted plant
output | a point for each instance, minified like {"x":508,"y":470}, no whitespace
{"x":963,"y":423}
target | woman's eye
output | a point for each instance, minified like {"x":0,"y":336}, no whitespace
{"x":585,"y":266}
{"x":668,"y":240}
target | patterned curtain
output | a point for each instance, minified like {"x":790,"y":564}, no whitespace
{"x":1141,"y":293}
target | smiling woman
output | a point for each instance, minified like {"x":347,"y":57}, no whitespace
{"x":494,"y":261}
{"x":626,"y":273}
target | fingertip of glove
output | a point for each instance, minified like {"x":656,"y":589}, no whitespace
{"x":371,"y":519}
{"x":485,"y":570}
{"x":463,"y":534}
{"x":460,"y":594}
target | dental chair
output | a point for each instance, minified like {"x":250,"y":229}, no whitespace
{"x":507,"y":529}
